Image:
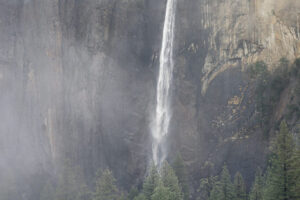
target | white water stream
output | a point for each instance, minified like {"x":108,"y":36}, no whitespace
{"x":163,"y":112}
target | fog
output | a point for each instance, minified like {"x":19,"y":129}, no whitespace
{"x":70,"y":89}
{"x":78,"y":84}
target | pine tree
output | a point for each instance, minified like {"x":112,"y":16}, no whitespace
{"x":133,"y":193}
{"x":106,"y":188}
{"x":206,"y":187}
{"x":223,"y":189}
{"x":141,"y":196}
{"x":170,"y":181}
{"x":256,"y":192}
{"x":226,"y":185}
{"x":239,"y":187}
{"x":162,"y":193}
{"x":122,"y":196}
{"x":216,"y":192}
{"x":296,"y":175}
{"x":207,"y":184}
{"x":84,"y":193}
{"x":151,"y":182}
{"x":181,"y":174}
{"x":280,"y":180}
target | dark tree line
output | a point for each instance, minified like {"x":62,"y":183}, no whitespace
{"x":281,"y":180}
{"x":162,"y":185}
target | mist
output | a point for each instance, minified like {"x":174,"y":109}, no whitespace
{"x":70,"y":90}
{"x":80,"y":92}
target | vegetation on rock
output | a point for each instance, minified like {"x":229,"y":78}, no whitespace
{"x":279,"y":179}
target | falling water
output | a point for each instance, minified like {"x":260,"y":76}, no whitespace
{"x":163,"y":111}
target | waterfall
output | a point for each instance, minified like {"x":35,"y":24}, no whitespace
{"x":163,"y":113}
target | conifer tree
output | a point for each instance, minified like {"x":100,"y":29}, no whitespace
{"x":84,"y":193}
{"x":280,"y":180}
{"x":122,"y":196}
{"x":206,"y":187}
{"x":239,"y":187}
{"x":223,"y":189}
{"x":170,"y":181}
{"x":133,"y":193}
{"x":296,"y":175}
{"x":226,"y":185}
{"x":256,"y":192}
{"x":106,"y":188}
{"x":141,"y":196}
{"x":151,"y":182}
{"x":207,"y":184}
{"x":180,"y":171}
{"x":216,"y":192}
{"x":162,"y":193}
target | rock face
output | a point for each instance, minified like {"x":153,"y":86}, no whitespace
{"x":214,"y":104}
{"x":78,"y":80}
{"x":243,"y":32}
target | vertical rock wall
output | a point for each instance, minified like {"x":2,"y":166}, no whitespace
{"x":78,"y":79}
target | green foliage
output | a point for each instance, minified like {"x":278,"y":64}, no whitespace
{"x":226,"y":185}
{"x":258,"y":69}
{"x":206,"y":186}
{"x":134,"y":192}
{"x":216,"y":193}
{"x":293,"y":110}
{"x":296,"y":66}
{"x":170,"y":181}
{"x":162,"y":193}
{"x":84,"y":193}
{"x":151,"y":182}
{"x":223,"y":189}
{"x":296,"y":174}
{"x":165,"y":186}
{"x":122,"y":196}
{"x":280,"y":79}
{"x":181,"y":174}
{"x":256,"y":192}
{"x":141,"y":196}
{"x":297,"y":89}
{"x":239,"y":187}
{"x":106,"y":188}
{"x":283,"y":62}
{"x":71,"y":186}
{"x":280,"y":180}
{"x":294,"y":107}
{"x":268,"y":90}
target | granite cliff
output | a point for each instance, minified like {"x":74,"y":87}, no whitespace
{"x":78,"y":81}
